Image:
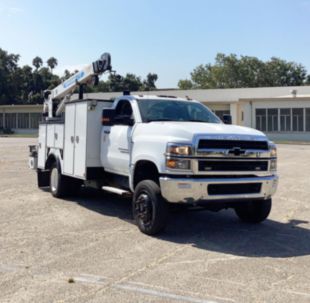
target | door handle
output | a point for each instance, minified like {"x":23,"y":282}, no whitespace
{"x":106,"y":131}
{"x":77,"y":139}
{"x":72,"y":139}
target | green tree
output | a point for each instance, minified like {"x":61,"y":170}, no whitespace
{"x":8,"y":75}
{"x":230,"y":71}
{"x":37,"y":62}
{"x":103,"y":86}
{"x":115,"y":83}
{"x":52,"y":63}
{"x":185,"y":84}
{"x":66,"y":75}
{"x":26,"y":83}
{"x":149,"y":82}
{"x":283,"y":73}
{"x":42,"y":79}
{"x":131,"y":82}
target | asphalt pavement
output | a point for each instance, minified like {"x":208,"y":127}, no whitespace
{"x":87,"y":249}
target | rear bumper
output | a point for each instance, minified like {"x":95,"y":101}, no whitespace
{"x":33,"y":157}
{"x":187,"y":190}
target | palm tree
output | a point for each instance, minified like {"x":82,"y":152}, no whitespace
{"x":37,"y":62}
{"x":52,"y":63}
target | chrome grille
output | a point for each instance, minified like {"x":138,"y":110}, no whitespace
{"x":231,"y":144}
{"x":234,"y":165}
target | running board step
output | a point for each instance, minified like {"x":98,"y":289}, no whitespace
{"x":118,"y":191}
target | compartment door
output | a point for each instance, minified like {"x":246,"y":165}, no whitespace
{"x":80,"y":140}
{"x":50,"y":135}
{"x":42,"y":146}
{"x":69,"y":139}
{"x":59,"y":136}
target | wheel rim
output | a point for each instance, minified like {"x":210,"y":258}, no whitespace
{"x":144,"y":209}
{"x":54,"y":179}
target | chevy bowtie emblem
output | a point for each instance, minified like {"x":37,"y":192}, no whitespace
{"x":237,"y":151}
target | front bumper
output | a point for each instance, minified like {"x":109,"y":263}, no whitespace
{"x":190,"y":190}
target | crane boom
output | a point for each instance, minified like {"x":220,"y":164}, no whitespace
{"x":62,"y":92}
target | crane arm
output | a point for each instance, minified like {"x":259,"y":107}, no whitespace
{"x":66,"y":88}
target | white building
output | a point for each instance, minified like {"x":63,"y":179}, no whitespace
{"x":281,"y":112}
{"x":20,"y":118}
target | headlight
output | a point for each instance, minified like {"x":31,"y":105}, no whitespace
{"x":182,"y":164}
{"x":273,"y":164}
{"x":273,"y":150}
{"x":179,"y":149}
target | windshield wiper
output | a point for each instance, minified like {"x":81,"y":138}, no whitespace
{"x":156,"y":120}
{"x":197,"y":120}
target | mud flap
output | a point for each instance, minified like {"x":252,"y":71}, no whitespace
{"x":43,"y":178}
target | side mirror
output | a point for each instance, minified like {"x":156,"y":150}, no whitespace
{"x":227,"y":119}
{"x":124,"y":120}
{"x":108,"y":117}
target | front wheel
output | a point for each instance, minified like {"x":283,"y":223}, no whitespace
{"x":254,"y":211}
{"x":150,"y":210}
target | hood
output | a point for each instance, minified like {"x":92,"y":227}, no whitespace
{"x":187,"y":130}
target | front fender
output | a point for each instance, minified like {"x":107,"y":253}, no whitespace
{"x":135,"y":160}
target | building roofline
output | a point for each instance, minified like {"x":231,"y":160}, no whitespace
{"x":283,"y":98}
{"x":20,"y":105}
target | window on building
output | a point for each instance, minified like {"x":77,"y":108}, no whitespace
{"x":298,"y":119}
{"x":221,"y":113}
{"x":261,"y":119}
{"x":272,"y":119}
{"x":1,"y":120}
{"x":34,"y":120}
{"x":308,"y":119}
{"x":23,"y":120}
{"x":285,"y":119}
{"x":10,"y":120}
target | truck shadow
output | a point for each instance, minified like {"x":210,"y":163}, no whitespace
{"x":220,"y":232}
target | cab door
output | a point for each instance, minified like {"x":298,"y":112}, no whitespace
{"x":116,"y":140}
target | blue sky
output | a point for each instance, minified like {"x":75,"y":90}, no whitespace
{"x":168,"y":37}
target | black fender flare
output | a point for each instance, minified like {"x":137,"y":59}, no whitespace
{"x":50,"y":160}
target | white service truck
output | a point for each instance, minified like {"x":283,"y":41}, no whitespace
{"x":160,"y":150}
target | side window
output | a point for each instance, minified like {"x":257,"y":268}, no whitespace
{"x":123,"y":112}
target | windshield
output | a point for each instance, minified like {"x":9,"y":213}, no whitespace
{"x":173,"y":110}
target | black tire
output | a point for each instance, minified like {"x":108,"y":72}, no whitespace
{"x":58,"y":183}
{"x":254,"y":211}
{"x":150,"y":210}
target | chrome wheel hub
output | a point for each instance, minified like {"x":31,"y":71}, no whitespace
{"x":54,"y":179}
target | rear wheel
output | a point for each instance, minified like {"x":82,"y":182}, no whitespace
{"x":254,"y":211}
{"x":59,"y":185}
{"x":150,"y":210}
